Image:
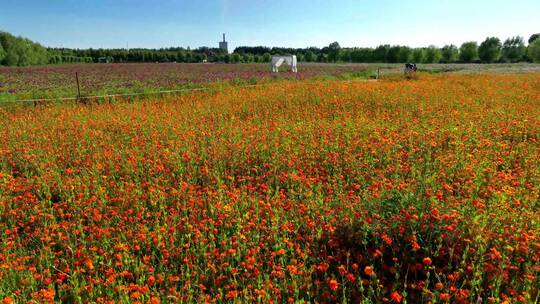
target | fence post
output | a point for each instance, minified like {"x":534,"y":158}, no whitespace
{"x":78,"y":86}
{"x":378,"y":73}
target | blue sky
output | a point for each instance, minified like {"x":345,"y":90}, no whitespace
{"x":302,"y":23}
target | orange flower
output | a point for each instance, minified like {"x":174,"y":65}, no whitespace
{"x":89,"y":264}
{"x":387,"y":239}
{"x":368,"y":270}
{"x":7,"y":300}
{"x":153,"y":300}
{"x":427,"y":261}
{"x":333,"y":284}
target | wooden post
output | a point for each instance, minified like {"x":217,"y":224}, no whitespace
{"x":78,"y":86}
{"x":378,"y":73}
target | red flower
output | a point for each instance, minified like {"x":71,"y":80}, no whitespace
{"x":444,"y":297}
{"x":333,"y":284}
{"x":7,"y":300}
{"x":368,"y":270}
{"x":396,"y":297}
{"x":427,"y":261}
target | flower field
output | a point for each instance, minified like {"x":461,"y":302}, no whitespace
{"x":54,"y":81}
{"x":100,"y":79}
{"x":420,"y":191}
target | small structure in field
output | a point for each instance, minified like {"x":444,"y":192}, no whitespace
{"x":277,"y":61}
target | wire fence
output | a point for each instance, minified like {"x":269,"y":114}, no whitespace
{"x":85,"y":99}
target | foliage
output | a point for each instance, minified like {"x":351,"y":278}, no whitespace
{"x":533,"y":37}
{"x":267,"y":57}
{"x":432,"y":55}
{"x":468,"y":52}
{"x":333,"y":51}
{"x":490,"y":50}
{"x":405,"y":54}
{"x":418,"y":55}
{"x":24,"y":52}
{"x":2,"y":53}
{"x":236,"y":58}
{"x":449,"y":53}
{"x":380,"y":53}
{"x":513,"y":49}
{"x":17,"y":51}
{"x":392,"y":56}
{"x":362,"y":55}
{"x":309,"y":56}
{"x":534,"y":50}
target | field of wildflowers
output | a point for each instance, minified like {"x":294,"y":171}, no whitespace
{"x":420,"y":191}
{"x":100,"y":79}
{"x":54,"y":81}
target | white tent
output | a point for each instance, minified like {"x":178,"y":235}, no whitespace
{"x":277,"y":61}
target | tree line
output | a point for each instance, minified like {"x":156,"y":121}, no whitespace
{"x":490,"y":50}
{"x":18,"y":51}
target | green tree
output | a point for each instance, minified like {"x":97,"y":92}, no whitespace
{"x":468,"y":52}
{"x":310,"y":56}
{"x":345,"y":55}
{"x":533,"y":37}
{"x":247,"y":58}
{"x":534,"y":50}
{"x":450,"y":53}
{"x":392,"y":56}
{"x":266,"y":57}
{"x":361,"y":55}
{"x":333,"y":51}
{"x":405,"y":54}
{"x":11,"y":59}
{"x":490,"y":50}
{"x":181,"y":57}
{"x":433,"y":55}
{"x":379,"y":54}
{"x":418,"y":55}
{"x":236,"y":58}
{"x":513,"y":49}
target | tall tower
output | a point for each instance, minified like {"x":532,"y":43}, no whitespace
{"x":224,"y":45}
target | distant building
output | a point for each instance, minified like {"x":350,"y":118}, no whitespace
{"x":224,"y":45}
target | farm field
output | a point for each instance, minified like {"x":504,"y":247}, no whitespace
{"x":326,"y":191}
{"x":100,"y":79}
{"x":43,"y":82}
